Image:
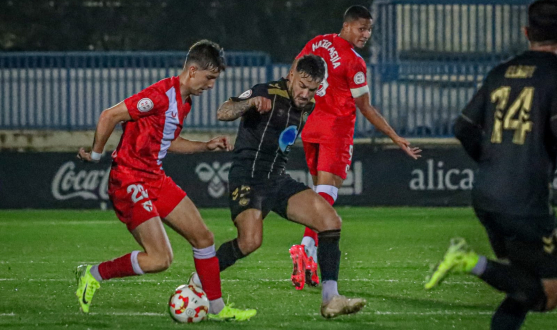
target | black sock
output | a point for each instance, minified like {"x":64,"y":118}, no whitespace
{"x":509,"y":316}
{"x":519,"y":285}
{"x":328,"y":254}
{"x":228,"y":253}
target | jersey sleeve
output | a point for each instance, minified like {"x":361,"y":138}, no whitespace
{"x":148,"y":102}
{"x":473,"y":112}
{"x":257,"y":90}
{"x":356,"y":75}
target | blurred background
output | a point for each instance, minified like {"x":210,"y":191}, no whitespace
{"x":63,"y":62}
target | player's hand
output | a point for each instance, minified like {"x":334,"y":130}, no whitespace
{"x":413,"y":152}
{"x":84,"y":155}
{"x":261,"y":104}
{"x":220,"y":143}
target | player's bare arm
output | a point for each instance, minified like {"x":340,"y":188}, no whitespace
{"x":107,"y":122}
{"x":185,"y":146}
{"x":231,"y":110}
{"x":375,"y":118}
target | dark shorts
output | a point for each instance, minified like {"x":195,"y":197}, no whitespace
{"x":261,"y":193}
{"x":527,"y":242}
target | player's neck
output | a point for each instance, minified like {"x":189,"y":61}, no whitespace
{"x":540,"y":47}
{"x":184,"y":89}
{"x":345,"y":37}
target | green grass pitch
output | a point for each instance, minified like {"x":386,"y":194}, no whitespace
{"x":386,"y":254}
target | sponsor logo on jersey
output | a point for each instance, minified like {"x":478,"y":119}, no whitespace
{"x":87,"y":184}
{"x":217,"y":176}
{"x":359,"y":78}
{"x":287,"y":138}
{"x":436,"y":177}
{"x":245,"y":94}
{"x":333,"y":54}
{"x":145,"y":105}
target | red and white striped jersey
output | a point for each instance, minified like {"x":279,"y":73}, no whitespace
{"x":158,"y":113}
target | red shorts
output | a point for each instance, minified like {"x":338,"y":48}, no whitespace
{"x":331,"y":158}
{"x":137,"y":199}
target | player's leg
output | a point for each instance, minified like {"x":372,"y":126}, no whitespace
{"x":247,"y":201}
{"x":529,"y":278}
{"x":133,"y":207}
{"x":185,"y":219}
{"x":329,"y":167}
{"x":156,"y":257}
{"x":249,"y":224}
{"x":304,"y":206}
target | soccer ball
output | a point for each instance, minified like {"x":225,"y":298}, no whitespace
{"x":188,"y":304}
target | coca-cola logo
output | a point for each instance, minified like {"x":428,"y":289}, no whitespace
{"x":87,"y":184}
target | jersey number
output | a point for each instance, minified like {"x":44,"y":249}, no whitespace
{"x":138,"y":192}
{"x":324,"y":84}
{"x":521,"y":124}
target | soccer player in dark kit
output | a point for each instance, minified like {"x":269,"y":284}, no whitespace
{"x":273,"y":115}
{"x":510,"y":128}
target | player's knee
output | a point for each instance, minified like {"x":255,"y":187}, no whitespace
{"x":161,"y":261}
{"x":203,"y":239}
{"x":550,"y":289}
{"x":249,"y":243}
{"x":331,"y":221}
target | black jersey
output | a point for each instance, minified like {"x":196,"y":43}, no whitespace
{"x":264,"y":140}
{"x":515,"y":108}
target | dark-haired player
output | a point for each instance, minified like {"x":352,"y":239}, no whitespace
{"x":143,"y":196}
{"x":272,"y":118}
{"x":329,"y":133}
{"x":510,"y":128}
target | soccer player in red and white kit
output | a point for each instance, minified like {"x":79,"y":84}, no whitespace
{"x":143,"y":196}
{"x":329,"y":132}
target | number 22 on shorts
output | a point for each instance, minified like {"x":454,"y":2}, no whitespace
{"x":139,"y":193}
{"x":351,"y":152}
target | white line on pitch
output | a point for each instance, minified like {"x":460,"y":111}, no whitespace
{"x":433,"y":313}
{"x":178,"y":280}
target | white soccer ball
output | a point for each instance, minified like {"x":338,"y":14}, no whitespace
{"x":188,"y":304}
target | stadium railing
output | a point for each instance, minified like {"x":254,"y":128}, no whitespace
{"x":427,"y":60}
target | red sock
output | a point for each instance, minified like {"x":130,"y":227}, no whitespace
{"x":311,"y":233}
{"x":209,"y":275}
{"x":119,"y":267}
{"x":327,"y":197}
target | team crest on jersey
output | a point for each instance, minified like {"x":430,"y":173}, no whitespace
{"x":145,"y":105}
{"x":288,"y":137}
{"x":148,"y":206}
{"x":245,"y":94}
{"x":359,"y":78}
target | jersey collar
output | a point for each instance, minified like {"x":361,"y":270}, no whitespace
{"x":342,"y":42}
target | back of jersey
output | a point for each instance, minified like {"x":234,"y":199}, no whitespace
{"x":515,"y":107}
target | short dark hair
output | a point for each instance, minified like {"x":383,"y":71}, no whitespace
{"x":313,"y":66}
{"x":207,"y":55}
{"x":542,"y":21}
{"x":354,"y":13}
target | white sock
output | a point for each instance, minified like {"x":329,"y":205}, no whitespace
{"x":309,"y":245}
{"x":215,"y":306}
{"x":329,"y":290}
{"x":196,"y":280}
{"x":95,"y":272}
{"x":135,"y":263}
{"x":480,"y":267}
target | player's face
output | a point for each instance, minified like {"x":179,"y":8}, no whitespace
{"x":302,"y":88}
{"x":358,"y":32}
{"x":202,"y":80}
